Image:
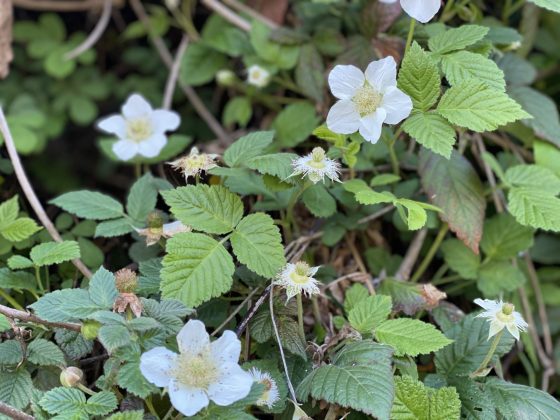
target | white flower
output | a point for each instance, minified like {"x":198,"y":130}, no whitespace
{"x":271,"y":394}
{"x":140,"y":129}
{"x":194,"y":163}
{"x":154,"y":233}
{"x":202,"y":371}
{"x":257,"y":76}
{"x":421,"y":10}
{"x":172,"y":4}
{"x":298,"y":278}
{"x":316,"y":165}
{"x":501,"y":315}
{"x":366,"y":100}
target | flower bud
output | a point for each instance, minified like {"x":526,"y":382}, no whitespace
{"x":71,"y":377}
{"x":126,"y":280}
{"x":90,"y":329}
{"x":225,"y":77}
{"x":507,"y":308}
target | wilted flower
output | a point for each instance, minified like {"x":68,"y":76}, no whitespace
{"x":316,"y":165}
{"x":202,"y":371}
{"x":366,"y":101}
{"x":298,"y":278}
{"x":140,"y":129}
{"x":126,"y":280}
{"x":421,"y":10}
{"x":501,"y":315}
{"x":270,"y":395}
{"x":257,"y":76}
{"x":194,"y":163}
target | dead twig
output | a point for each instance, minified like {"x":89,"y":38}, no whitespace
{"x":14,"y":413}
{"x":97,"y":32}
{"x":228,"y":14}
{"x":243,"y":8}
{"x":412,"y":253}
{"x":174,"y":73}
{"x":29,"y":317}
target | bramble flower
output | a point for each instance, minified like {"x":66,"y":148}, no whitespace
{"x":140,"y":129}
{"x":126,"y":282}
{"x":501,"y":315}
{"x":421,"y":10}
{"x":202,"y":371}
{"x":316,"y":165}
{"x":366,"y":101}
{"x":257,"y":76}
{"x":298,"y":278}
{"x":157,"y":229}
{"x":271,"y":394}
{"x":194,"y":163}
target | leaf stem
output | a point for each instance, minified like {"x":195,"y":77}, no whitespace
{"x":300,"y":316}
{"x":410,"y":35}
{"x":150,"y":406}
{"x":38,"y":277}
{"x":10,"y":300}
{"x":431,"y":253}
{"x":489,"y":355}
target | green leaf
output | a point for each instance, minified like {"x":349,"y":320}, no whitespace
{"x":547,"y":155}
{"x":505,"y":238}
{"x":461,"y":258}
{"x":456,"y":38}
{"x":16,"y":387}
{"x":112,"y":228}
{"x":195,"y":269}
{"x":44,"y":353}
{"x":18,"y":262}
{"x":11,"y":353}
{"x":9,"y":211}
{"x":475,"y":404}
{"x":294,"y":124}
{"x":359,"y":377}
{"x":49,"y":253}
{"x":354,"y":295}
{"x":384,"y":179}
{"x":65,"y":305}
{"x":200,"y":63}
{"x":416,"y":217}
{"x":431,"y":131}
{"x":547,"y":4}
{"x":454,"y":186}
{"x":419,"y":78}
{"x":19,"y":229}
{"x":247,"y":147}
{"x":127,"y":415}
{"x":465,"y":65}
{"x":63,"y":400}
{"x":131,"y":379}
{"x":101,"y":403}
{"x":535,"y":177}
{"x":212,"y":209}
{"x":534,"y":208}
{"x":113,"y":336}
{"x":257,"y":243}
{"x":142,"y":198}
{"x":498,"y":277}
{"x":411,"y":336}
{"x":89,"y":205}
{"x":368,"y":313}
{"x":474,"y":105}
{"x":102,"y":289}
{"x":238,"y":110}
{"x":282,"y":56}
{"x":277,"y":164}
{"x":318,"y":201}
{"x":309,"y":73}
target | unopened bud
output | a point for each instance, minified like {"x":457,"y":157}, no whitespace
{"x":90,"y":329}
{"x":71,"y":377}
{"x":225,"y":77}
{"x":126,"y":280}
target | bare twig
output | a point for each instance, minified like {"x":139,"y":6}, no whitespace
{"x":376,"y":215}
{"x":61,"y":5}
{"x":498,"y":199}
{"x":243,"y":324}
{"x":403,"y":273}
{"x":243,"y":8}
{"x":94,"y":36}
{"x":174,"y":73}
{"x":228,"y":14}
{"x":14,"y":413}
{"x":30,"y":193}
{"x":29,"y":317}
{"x":235,"y":312}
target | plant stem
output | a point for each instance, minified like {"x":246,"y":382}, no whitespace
{"x":10,"y":300}
{"x":392,"y":154}
{"x":150,"y":406}
{"x":431,"y":253}
{"x":86,"y":389}
{"x":410,"y":35}
{"x":38,"y":277}
{"x":489,"y":355}
{"x":300,"y":316}
{"x":292,"y":203}
{"x":138,"y":169}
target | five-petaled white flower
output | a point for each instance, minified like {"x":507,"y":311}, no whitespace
{"x":501,"y":315}
{"x":202,"y":371}
{"x":194,"y":163}
{"x":316,"y":165}
{"x":140,"y":129}
{"x":366,"y":101}
{"x":270,"y":394}
{"x":421,"y":10}
{"x":298,"y":278}
{"x":257,"y":76}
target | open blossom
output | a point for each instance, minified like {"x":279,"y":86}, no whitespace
{"x":140,"y":129}
{"x":270,"y":395}
{"x":257,"y":76}
{"x":316,"y":165}
{"x":501,"y":315}
{"x":195,"y":163}
{"x":202,"y":371}
{"x":298,"y":278}
{"x":366,"y":101}
{"x":421,"y":10}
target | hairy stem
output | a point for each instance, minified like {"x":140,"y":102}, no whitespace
{"x":489,"y":355}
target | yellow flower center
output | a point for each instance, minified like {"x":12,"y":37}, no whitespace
{"x":503,"y":317}
{"x":196,"y":371}
{"x":317,"y":159}
{"x":507,"y":308}
{"x":300,"y":273}
{"x":138,"y":129}
{"x":367,"y":100}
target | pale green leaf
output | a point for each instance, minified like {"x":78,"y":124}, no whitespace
{"x":113,"y":336}
{"x":247,"y":147}
{"x":548,"y":4}
{"x":534,"y":177}
{"x":354,"y":295}
{"x":16,"y":387}
{"x":89,"y":205}
{"x":461,"y":258}
{"x":318,"y":201}
{"x":416,"y":216}
{"x":142,"y":198}
{"x":11,"y":353}
{"x":127,"y":415}
{"x":384,"y":179}
{"x":131,"y":379}
{"x":44,"y":353}
{"x":534,"y":208}
{"x":62,"y":400}
{"x":505,"y":238}
{"x":547,"y":155}
{"x":49,"y":253}
{"x":18,"y":262}
{"x":112,"y":228}
{"x":238,"y":110}
{"x":465,"y":65}
{"x":200,"y":63}
{"x":102,"y":289}
{"x":280,"y":55}
{"x":456,"y":38}
{"x":277,"y":164}
{"x":19,"y":229}
{"x":431,"y":131}
{"x":101,"y":403}
{"x":368,"y":313}
{"x":294,"y":124}
{"x":9,"y":211}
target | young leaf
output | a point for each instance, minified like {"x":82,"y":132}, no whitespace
{"x":277,"y":164}
{"x":367,"y":314}
{"x":431,"y":131}
{"x":535,"y":177}
{"x":49,"y":253}
{"x":456,"y":38}
{"x":101,"y":403}
{"x":112,"y":228}
{"x":534,"y":208}
{"x":18,"y":262}
{"x":19,"y":229}
{"x":354,"y":295}
{"x":465,"y":65}
{"x":9,"y":211}
{"x":89,"y":205}
{"x":113,"y":336}
{"x":63,"y":400}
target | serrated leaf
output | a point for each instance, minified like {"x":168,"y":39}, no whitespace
{"x":535,"y":177}
{"x":247,"y":147}
{"x":419,"y":78}
{"x":384,"y":179}
{"x":498,"y":277}
{"x":89,"y":205}
{"x":257,"y":243}
{"x":65,"y":305}
{"x":15,"y":388}
{"x":63,"y":400}
{"x":19,"y":229}
{"x":101,"y":403}
{"x":474,"y":105}
{"x":113,"y":336}
{"x":73,"y":344}
{"x":9,"y":211}
{"x":294,"y":124}
{"x":131,"y":379}
{"x":142,"y":198}
{"x":195,"y":269}
{"x":102,"y":289}
{"x":309,"y":73}
{"x":212,"y":209}
{"x":49,"y":253}
{"x":456,"y":38}
{"x":465,"y":65}
{"x":461,"y":258}
{"x":531,"y":207}
{"x":415,"y":217}
{"x":18,"y":262}
{"x":318,"y":201}
{"x":505,"y":238}
{"x":11,"y":353}
{"x":547,"y":155}
{"x":127,"y":415}
{"x":454,"y":186}
{"x":354,"y":295}
{"x":277,"y":164}
{"x":112,"y":228}
{"x":431,"y":131}
{"x":17,"y":280}
{"x":475,"y":404}
{"x":548,"y":4}
{"x":368,"y":313}
{"x":44,"y":353}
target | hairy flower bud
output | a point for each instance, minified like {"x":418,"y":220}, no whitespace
{"x":126,"y":280}
{"x":71,"y":377}
{"x":90,"y":329}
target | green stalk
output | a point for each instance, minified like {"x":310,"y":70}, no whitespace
{"x":410,"y":35}
{"x":300,"y":316}
{"x":489,"y":355}
{"x":10,"y":300}
{"x":431,"y":253}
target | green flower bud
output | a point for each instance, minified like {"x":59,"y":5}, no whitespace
{"x":90,"y":329}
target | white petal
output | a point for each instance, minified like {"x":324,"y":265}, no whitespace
{"x":344,"y":80}
{"x":152,"y":146}
{"x":397,"y":104}
{"x":115,"y":124}
{"x":388,"y":1}
{"x":343,"y":117}
{"x":125,"y":150}
{"x":421,"y":10}
{"x":136,"y":106}
{"x":382,"y":73}
{"x":193,"y":337}
{"x":234,"y":384}
{"x":513,"y":330}
{"x":370,"y":125}
{"x":489,"y":305}
{"x":495,"y":327}
{"x":163,"y":120}
{"x":156,"y":364}
{"x":520,"y":322}
{"x":188,"y":401}
{"x":227,"y":348}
